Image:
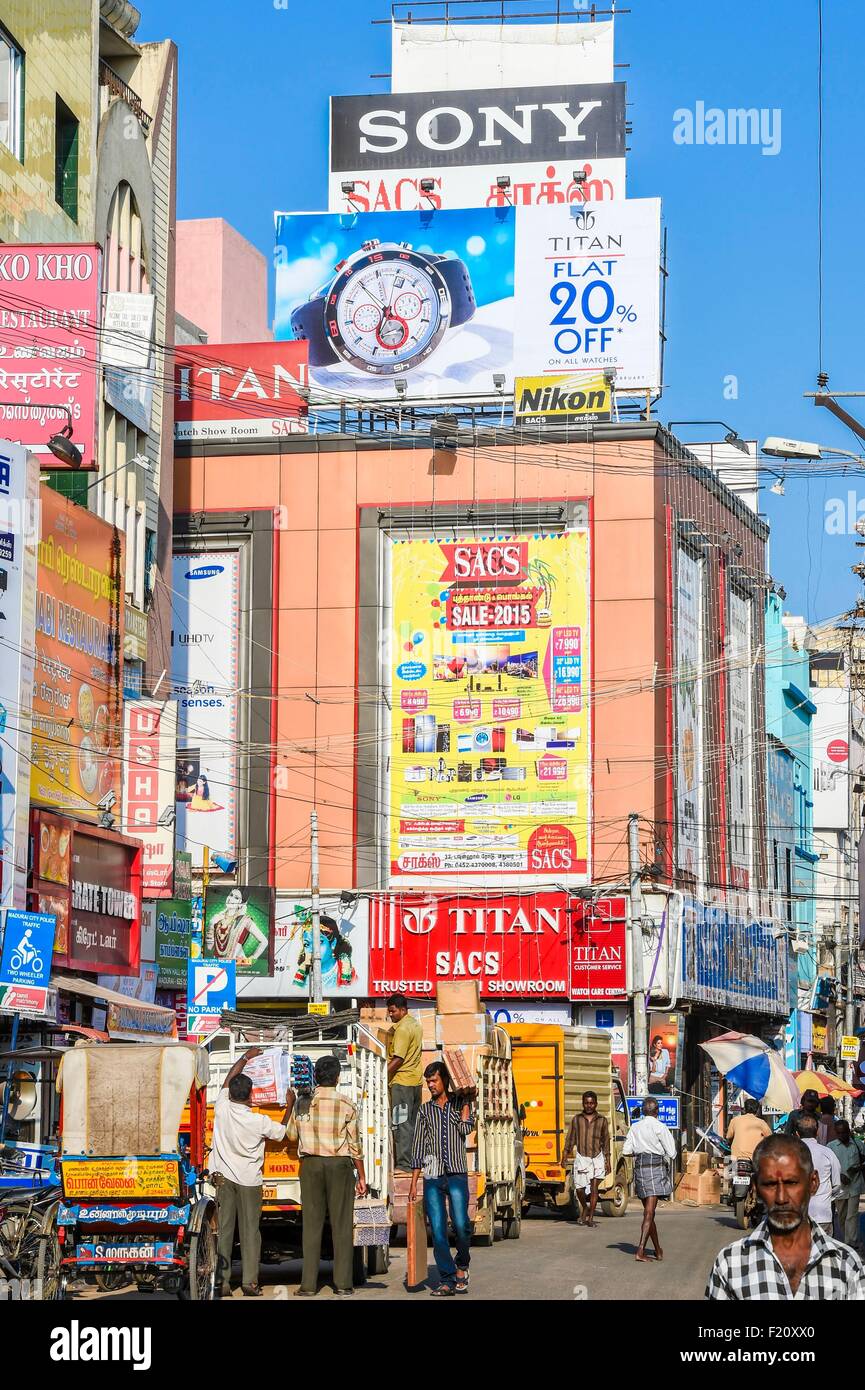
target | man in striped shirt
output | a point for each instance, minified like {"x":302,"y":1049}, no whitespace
{"x":439,"y":1152}
{"x":328,"y":1145}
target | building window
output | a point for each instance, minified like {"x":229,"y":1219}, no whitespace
{"x":70,"y":484}
{"x":66,"y":160}
{"x":11,"y":94}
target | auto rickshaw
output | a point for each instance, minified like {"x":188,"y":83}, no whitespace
{"x":135,"y":1195}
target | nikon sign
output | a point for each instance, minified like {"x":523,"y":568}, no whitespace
{"x":566,"y":400}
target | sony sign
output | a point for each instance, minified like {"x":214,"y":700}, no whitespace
{"x":448,"y":129}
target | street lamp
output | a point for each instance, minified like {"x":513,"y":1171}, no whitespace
{"x":778,"y":447}
{"x":731,"y":437}
{"x":60,"y":444}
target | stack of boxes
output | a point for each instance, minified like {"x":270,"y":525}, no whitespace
{"x":455,"y":1032}
{"x":700,"y":1184}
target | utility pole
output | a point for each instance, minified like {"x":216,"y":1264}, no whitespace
{"x":638,"y":1004}
{"x":316,"y":910}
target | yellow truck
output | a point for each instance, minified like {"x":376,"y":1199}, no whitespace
{"x":552,"y":1067}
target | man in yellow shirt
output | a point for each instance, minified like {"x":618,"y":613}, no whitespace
{"x":745,"y":1131}
{"x":404,"y":1076}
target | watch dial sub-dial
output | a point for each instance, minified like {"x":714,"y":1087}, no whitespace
{"x":366,"y":317}
{"x":387,"y":314}
{"x":407,"y":305}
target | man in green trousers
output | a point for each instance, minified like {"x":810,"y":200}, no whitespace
{"x":236,"y":1164}
{"x":328,"y":1145}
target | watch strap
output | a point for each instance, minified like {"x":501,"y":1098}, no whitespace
{"x":455,"y":274}
{"x":307,"y":324}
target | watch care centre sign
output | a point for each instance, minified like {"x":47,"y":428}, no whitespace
{"x":517,"y":946}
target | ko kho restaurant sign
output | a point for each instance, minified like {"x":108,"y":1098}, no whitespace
{"x":515,"y":946}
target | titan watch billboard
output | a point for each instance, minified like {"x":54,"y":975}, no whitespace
{"x":517,"y":946}
{"x":452,"y":149}
{"x":490,"y":751}
{"x":433,"y":297}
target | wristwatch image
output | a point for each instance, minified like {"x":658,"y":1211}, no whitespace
{"x":386,"y":309}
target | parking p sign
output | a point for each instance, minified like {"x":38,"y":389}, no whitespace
{"x":211,"y":986}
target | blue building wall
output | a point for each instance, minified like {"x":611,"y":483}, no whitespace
{"x":790,"y":810}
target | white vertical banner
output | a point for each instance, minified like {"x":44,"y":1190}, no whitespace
{"x":689,"y":793}
{"x":149,"y":812}
{"x":740,"y":753}
{"x":205,"y":677}
{"x":19,"y":535}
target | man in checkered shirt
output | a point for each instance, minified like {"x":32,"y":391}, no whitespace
{"x":788,"y":1256}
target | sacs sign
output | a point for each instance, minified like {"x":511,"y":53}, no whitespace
{"x":477,"y":127}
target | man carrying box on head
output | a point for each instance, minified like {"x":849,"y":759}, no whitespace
{"x":404,"y":1075}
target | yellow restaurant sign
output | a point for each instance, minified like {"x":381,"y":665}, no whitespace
{"x":563,"y":399}
{"x":104,"y":1179}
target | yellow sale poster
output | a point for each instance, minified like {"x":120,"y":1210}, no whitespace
{"x":490,"y":748}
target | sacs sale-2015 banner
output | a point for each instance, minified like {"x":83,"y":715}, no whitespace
{"x":490,"y":746}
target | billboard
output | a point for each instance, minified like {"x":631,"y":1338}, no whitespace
{"x":19,"y":531}
{"x":830,"y":735}
{"x":344,"y":951}
{"x":240,"y":391}
{"x":101,"y":919}
{"x":515,"y":945}
{"x":77,"y":693}
{"x":739,"y":735}
{"x":489,"y":741}
{"x":149,"y":813}
{"x":433,"y":297}
{"x":174,"y":927}
{"x":453,"y":56}
{"x":690,"y":812}
{"x":587,"y":296}
{"x":48,"y":325}
{"x":238,"y":927}
{"x":562,"y":400}
{"x":466,"y":141}
{"x":205,"y":677}
{"x":733,"y":962}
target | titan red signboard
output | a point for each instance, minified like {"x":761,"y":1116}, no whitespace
{"x":598,"y":940}
{"x":237,"y":391}
{"x":517,"y":946}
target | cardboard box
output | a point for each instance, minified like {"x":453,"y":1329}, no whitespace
{"x":427,"y":1020}
{"x":458,"y":997}
{"x":459,"y":1030}
{"x":709,"y":1188}
{"x":696,"y":1163}
{"x":457,"y":1064}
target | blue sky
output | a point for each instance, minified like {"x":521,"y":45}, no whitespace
{"x":742,"y":226}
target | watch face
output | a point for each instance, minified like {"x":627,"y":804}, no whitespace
{"x":387,"y":310}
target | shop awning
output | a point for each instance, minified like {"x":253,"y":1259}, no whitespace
{"x":130,"y":1018}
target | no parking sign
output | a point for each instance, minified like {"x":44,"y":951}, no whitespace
{"x":211,"y":986}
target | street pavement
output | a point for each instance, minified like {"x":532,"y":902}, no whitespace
{"x":553,"y":1260}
